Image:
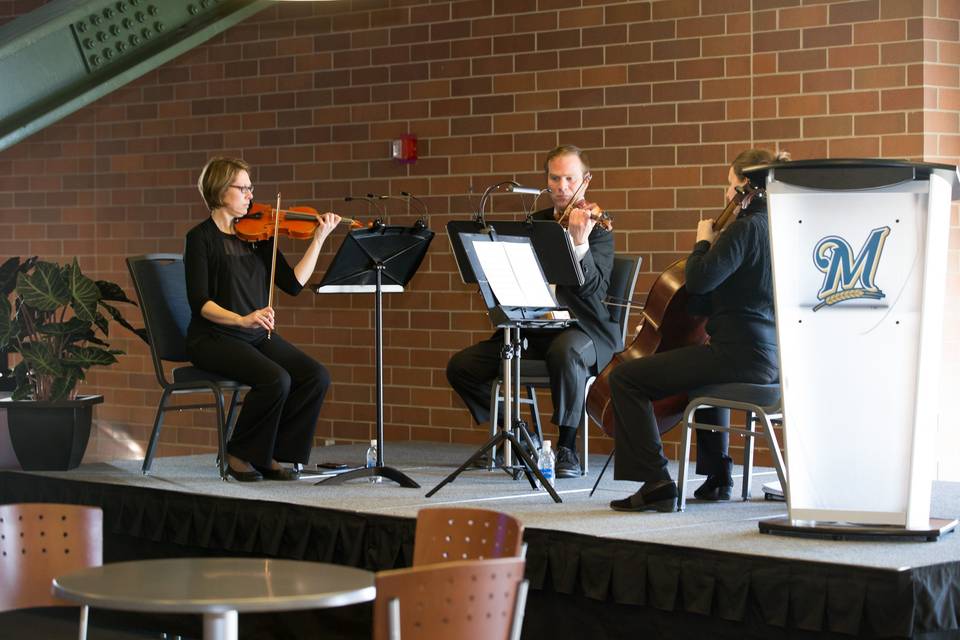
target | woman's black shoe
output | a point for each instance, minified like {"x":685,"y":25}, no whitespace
{"x":663,"y":498}
{"x":283,"y":473}
{"x":244,"y":476}
{"x":717,"y":486}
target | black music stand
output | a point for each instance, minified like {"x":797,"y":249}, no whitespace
{"x":511,"y":319}
{"x":375,"y":260}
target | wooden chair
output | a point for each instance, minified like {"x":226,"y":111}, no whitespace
{"x":450,"y":534}
{"x":468,"y":600}
{"x":38,"y":542}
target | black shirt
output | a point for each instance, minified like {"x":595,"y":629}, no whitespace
{"x":736,"y":274}
{"x":233,"y":273}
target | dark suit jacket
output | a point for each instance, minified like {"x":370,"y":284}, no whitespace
{"x":586,"y":301}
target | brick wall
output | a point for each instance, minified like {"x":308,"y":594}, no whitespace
{"x":663,"y":94}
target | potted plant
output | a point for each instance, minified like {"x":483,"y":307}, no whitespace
{"x":51,"y":316}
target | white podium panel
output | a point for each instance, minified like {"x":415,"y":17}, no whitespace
{"x":859,"y":278}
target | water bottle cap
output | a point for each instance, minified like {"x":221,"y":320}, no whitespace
{"x":546,"y":444}
{"x":373,"y":442}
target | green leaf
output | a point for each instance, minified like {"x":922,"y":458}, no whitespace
{"x":6,"y":325}
{"x":118,"y":317}
{"x":84,"y":294}
{"x":111,"y":291}
{"x":89,"y":356}
{"x":70,"y":327}
{"x":62,"y":387}
{"x":8,"y":276}
{"x":41,"y":359}
{"x":45,"y":289}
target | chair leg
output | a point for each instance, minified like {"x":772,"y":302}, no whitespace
{"x":602,"y":471}
{"x":494,"y":414}
{"x":775,"y":452}
{"x":535,"y":413}
{"x":221,"y":433}
{"x":155,"y":434}
{"x":84,"y":620}
{"x":750,"y":424}
{"x":684,"y":456}
{"x":232,"y":414}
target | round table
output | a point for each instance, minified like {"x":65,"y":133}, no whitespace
{"x":218,"y":588}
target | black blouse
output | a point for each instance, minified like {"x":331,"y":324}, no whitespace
{"x":736,"y":275}
{"x":233,"y":273}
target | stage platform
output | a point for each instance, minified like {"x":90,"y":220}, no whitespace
{"x":595,"y":573}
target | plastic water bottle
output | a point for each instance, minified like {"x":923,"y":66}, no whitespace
{"x":372,"y":460}
{"x":546,"y":463}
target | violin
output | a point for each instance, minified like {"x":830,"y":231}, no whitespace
{"x":598,"y":215}
{"x":665,"y":324}
{"x":295,"y":222}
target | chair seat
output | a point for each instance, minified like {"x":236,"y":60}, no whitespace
{"x":763,"y":395}
{"x":193,"y":374}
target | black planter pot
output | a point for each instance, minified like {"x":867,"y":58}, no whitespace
{"x":50,"y":436}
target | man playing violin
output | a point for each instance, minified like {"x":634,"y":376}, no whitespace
{"x":571,"y":354}
{"x":731,"y":276}
{"x":232,"y":329}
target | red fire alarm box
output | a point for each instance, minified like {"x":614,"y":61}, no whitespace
{"x":404,"y":148}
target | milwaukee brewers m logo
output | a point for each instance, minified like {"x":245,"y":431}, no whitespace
{"x":846,"y":277}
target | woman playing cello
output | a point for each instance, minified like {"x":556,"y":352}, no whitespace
{"x":731,"y":273}
{"x":232,"y":328}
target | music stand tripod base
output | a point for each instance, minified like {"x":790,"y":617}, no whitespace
{"x":528,"y":465}
{"x":843,"y":530}
{"x":367,"y":472}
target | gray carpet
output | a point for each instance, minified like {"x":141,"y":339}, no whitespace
{"x":724,"y":526}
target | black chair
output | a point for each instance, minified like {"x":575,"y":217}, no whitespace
{"x":161,"y":287}
{"x":533,"y":373}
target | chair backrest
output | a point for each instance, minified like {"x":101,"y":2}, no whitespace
{"x":161,"y":287}
{"x":447,"y":534}
{"x":39,"y":542}
{"x":469,"y":600}
{"x":623,"y":280}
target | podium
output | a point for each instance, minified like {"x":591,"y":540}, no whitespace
{"x":376,"y":260}
{"x":859,"y":267}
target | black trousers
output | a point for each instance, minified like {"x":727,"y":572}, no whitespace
{"x":635,"y":384}
{"x":570,"y":357}
{"x":279,"y":415}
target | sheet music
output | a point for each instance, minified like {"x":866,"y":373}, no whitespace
{"x":514,"y":274}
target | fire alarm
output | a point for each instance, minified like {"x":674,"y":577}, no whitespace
{"x":404,"y":148}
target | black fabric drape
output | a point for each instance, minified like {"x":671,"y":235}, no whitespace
{"x":615,"y":575}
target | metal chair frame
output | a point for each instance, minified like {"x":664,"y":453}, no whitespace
{"x":767,"y":415}
{"x":192,"y":379}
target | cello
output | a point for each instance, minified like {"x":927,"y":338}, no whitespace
{"x":665,"y":324}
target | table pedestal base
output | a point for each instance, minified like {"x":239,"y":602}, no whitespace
{"x":220,"y":626}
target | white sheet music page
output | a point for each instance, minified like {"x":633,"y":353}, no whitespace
{"x":514,"y":275}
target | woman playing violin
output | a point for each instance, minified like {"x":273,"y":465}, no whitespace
{"x":571,"y":354}
{"x":232,"y":329}
{"x":731,"y":276}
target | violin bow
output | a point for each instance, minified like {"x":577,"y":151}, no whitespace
{"x":577,"y":194}
{"x":273,"y":262}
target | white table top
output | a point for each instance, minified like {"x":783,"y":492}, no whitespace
{"x":205,"y":585}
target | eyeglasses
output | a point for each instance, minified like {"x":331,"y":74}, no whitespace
{"x":244,"y":190}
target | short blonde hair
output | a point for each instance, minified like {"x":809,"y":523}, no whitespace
{"x":218,"y":174}
{"x":567,"y":150}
